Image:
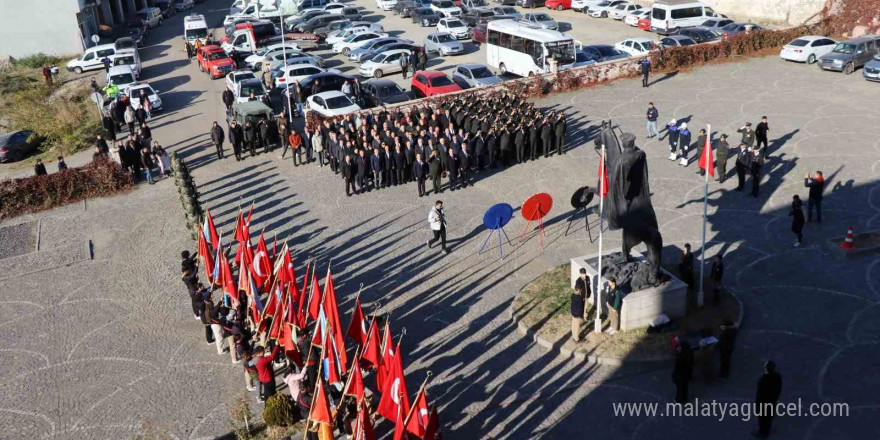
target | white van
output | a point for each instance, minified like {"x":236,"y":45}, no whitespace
{"x":130,"y":58}
{"x":668,"y":16}
{"x":121,"y":76}
{"x":195,"y":28}
{"x":92,"y":58}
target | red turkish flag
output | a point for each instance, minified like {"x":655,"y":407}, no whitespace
{"x":399,"y":429}
{"x":212,"y":231}
{"x":603,"y":175}
{"x":207,"y":258}
{"x":394,"y":395}
{"x":290,"y":348}
{"x":314,"y":298}
{"x":355,"y":383}
{"x":262,"y":268}
{"x":301,"y":313}
{"x":320,"y":411}
{"x":286,"y":274}
{"x":334,"y":368}
{"x":387,"y":355}
{"x":332,"y":312}
{"x":363,"y":429}
{"x":371,"y":358}
{"x":417,"y":420}
{"x":225,"y":280}
{"x":706,"y":161}
{"x":357,"y":328}
{"x":432,"y":431}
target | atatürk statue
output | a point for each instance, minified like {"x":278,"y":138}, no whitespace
{"x":629,"y":203}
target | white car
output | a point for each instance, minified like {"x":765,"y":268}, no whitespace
{"x":636,"y":46}
{"x":243,"y":90}
{"x":334,"y":8}
{"x":622,"y":10}
{"x":384,"y":63}
{"x":294,"y":72}
{"x":340,"y":35}
{"x":355,"y":41}
{"x":807,"y":49}
{"x":332,"y":103}
{"x":455,"y":27}
{"x":121,"y":75}
{"x":584,"y":5}
{"x":386,"y":5}
{"x":446,"y":8}
{"x":260,"y":55}
{"x":633,"y":19}
{"x":237,"y":76}
{"x":133,"y":91}
{"x":602,"y":9}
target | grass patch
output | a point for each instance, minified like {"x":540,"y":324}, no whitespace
{"x":37,"y":60}
{"x":544,"y":306}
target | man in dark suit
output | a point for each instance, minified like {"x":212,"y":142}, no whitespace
{"x":435,"y":167}
{"x":534,"y":139}
{"x":376,"y":166}
{"x":348,"y":173}
{"x":479,"y":151}
{"x":388,"y":171}
{"x":399,"y":165}
{"x":769,"y":389}
{"x":546,"y":137}
{"x":452,"y":168}
{"x":236,"y":138}
{"x":464,"y":166}
{"x":363,"y":170}
{"x":418,"y":171}
{"x":560,"y":134}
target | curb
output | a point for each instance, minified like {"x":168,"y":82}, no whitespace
{"x":526,"y":331}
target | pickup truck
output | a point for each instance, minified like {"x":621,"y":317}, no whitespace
{"x":244,"y":41}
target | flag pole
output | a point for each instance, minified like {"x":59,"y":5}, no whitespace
{"x":412,"y":407}
{"x":599,"y":286}
{"x":705,"y":216}
{"x":314,"y":396}
{"x":347,"y":383}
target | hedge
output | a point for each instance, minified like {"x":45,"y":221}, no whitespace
{"x":38,"y":193}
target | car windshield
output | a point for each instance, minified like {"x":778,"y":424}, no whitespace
{"x":390,"y":89}
{"x":541,"y":17}
{"x":124,"y":78}
{"x":607,"y":51}
{"x":197,"y":33}
{"x":445,"y":4}
{"x":799,"y":43}
{"x":247,"y":89}
{"x":380,"y":58}
{"x":482,"y":72}
{"x":217,"y":56}
{"x":581,"y":57}
{"x":509,"y":10}
{"x":604,"y":4}
{"x":120,"y":61}
{"x":454,"y":23}
{"x":243,"y":76}
{"x":335,"y":102}
{"x":440,"y":81}
{"x":444,"y":38}
{"x":561,"y":51}
{"x":846,"y":48}
{"x":147,"y":91}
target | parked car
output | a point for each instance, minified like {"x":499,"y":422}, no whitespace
{"x":426,"y":17}
{"x":807,"y":49}
{"x":558,"y":5}
{"x":290,"y":23}
{"x":183,"y":5}
{"x":330,"y":80}
{"x":453,"y":26}
{"x":151,"y":17}
{"x":130,"y":58}
{"x":243,"y":90}
{"x":384,"y":63}
{"x":737,"y":28}
{"x":352,"y":13}
{"x":531,"y":4}
{"x":286,"y":75}
{"x":602,"y":52}
{"x":256,"y":60}
{"x":331,"y":103}
{"x":509,"y":11}
{"x":443,"y":43}
{"x":214,"y":60}
{"x":676,"y":40}
{"x":507,"y":2}
{"x":622,"y":10}
{"x":636,"y":46}
{"x":355,"y":28}
{"x":316,"y":22}
{"x":645,"y":23}
{"x":700,"y":34}
{"x":584,"y":5}
{"x":330,"y":27}
{"x":378,"y":92}
{"x":601,"y":10}
{"x":167,"y":7}
{"x":91,"y":59}
{"x":333,"y":8}
{"x":474,"y":17}
{"x":715,"y":24}
{"x":16,"y":145}
{"x":446,"y":8}
{"x":134,"y":90}
{"x":237,"y":76}
{"x":478,"y":33}
{"x":386,"y":5}
{"x":849,"y":55}
{"x":300,"y":58}
{"x":540,"y":20}
{"x":403,"y":44}
{"x":633,"y":19}
{"x":474,"y":75}
{"x":121,"y":75}
{"x":871,"y":72}
{"x":432,"y":83}
{"x":582,"y":58}
{"x":355,"y":41}
{"x":356,"y":54}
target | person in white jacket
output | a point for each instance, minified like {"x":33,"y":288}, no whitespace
{"x":437,"y":221}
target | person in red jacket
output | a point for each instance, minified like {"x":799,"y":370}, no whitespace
{"x":265,"y":372}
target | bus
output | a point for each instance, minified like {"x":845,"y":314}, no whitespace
{"x":518,"y":48}
{"x":195,"y":27}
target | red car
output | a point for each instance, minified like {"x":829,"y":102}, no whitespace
{"x":558,"y":4}
{"x":432,"y":83}
{"x":214,"y":60}
{"x":645,"y":24}
{"x":478,"y":33}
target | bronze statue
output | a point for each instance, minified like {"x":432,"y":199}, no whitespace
{"x":628,"y":206}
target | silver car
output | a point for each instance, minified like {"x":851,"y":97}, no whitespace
{"x":474,"y":75}
{"x":443,"y":43}
{"x":356,"y":55}
{"x":508,"y":11}
{"x":540,"y":20}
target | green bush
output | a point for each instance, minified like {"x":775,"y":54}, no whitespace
{"x":37,"y":60}
{"x":280,"y":411}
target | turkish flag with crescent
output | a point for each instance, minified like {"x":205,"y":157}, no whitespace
{"x":355,"y":385}
{"x":394,"y":395}
{"x":383,"y":368}
{"x":432,"y":431}
{"x":262,"y":268}
{"x":417,"y":420}
{"x":320,"y":411}
{"x":363,"y":428}
{"x":357,"y":328}
{"x":373,"y":349}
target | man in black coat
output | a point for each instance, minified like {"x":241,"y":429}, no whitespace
{"x":217,"y":137}
{"x":769,"y":389}
{"x":560,"y":134}
{"x":743,"y":163}
{"x":251,"y":137}
{"x":376,"y":166}
{"x":236,"y":138}
{"x":419,"y":173}
{"x":363,"y":170}
{"x":265,"y":135}
{"x":464,"y":166}
{"x":399,"y":165}
{"x":109,"y":127}
{"x":410,"y":156}
{"x":435,"y":168}
{"x":388,"y":172}
{"x":755,"y":169}
{"x":348,"y":173}
{"x":316,"y":87}
{"x":228,"y":99}
{"x":519,"y":141}
{"x":681,"y":373}
{"x":726,"y":341}
{"x":452,"y":168}
{"x":534,"y":138}
{"x":816,"y":185}
{"x":546,"y":137}
{"x":39,"y":168}
{"x":101,"y":144}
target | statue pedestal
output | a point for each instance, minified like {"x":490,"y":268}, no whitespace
{"x":639,"y":307}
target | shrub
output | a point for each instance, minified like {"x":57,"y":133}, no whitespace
{"x":280,"y":411}
{"x":37,"y":60}
{"x":33,"y":194}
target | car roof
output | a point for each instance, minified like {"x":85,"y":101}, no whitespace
{"x":434,"y":34}
{"x":250,"y":81}
{"x":679,"y":37}
{"x":329,"y":94}
{"x":124,"y":68}
{"x":639,"y":40}
{"x":809,"y":37}
{"x":212,"y":48}
{"x":380,"y":82}
{"x":253,"y":107}
{"x":471,"y":65}
{"x":395,"y":51}
{"x":5,"y":137}
{"x":301,"y":65}
{"x":862,"y":39}
{"x":431,"y":73}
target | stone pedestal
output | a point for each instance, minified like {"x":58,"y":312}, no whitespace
{"x":640,"y":307}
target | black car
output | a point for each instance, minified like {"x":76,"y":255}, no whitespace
{"x":16,"y":145}
{"x":352,"y":13}
{"x":400,"y":7}
{"x":530,"y":3}
{"x":426,"y":17}
{"x":477,"y":16}
{"x":602,"y":52}
{"x":383,"y":91}
{"x":167,"y":7}
{"x":700,"y":34}
{"x":329,"y":81}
